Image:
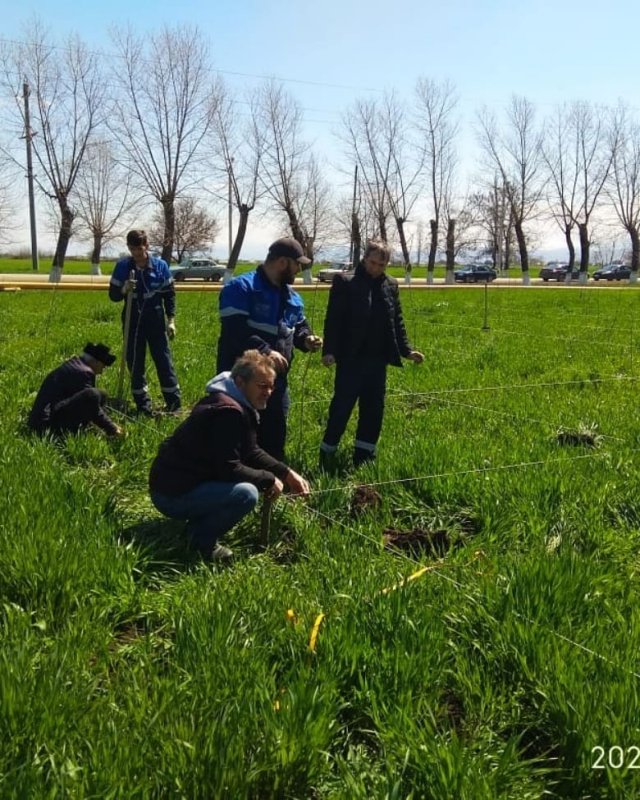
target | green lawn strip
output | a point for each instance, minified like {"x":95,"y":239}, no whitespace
{"x":127,"y":668}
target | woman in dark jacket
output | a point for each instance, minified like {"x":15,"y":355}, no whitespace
{"x":363,"y":333}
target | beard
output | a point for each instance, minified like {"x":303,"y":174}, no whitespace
{"x":289,"y":276}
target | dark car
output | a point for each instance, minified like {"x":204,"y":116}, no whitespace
{"x":475,"y":273}
{"x":555,"y":271}
{"x":612,"y":272}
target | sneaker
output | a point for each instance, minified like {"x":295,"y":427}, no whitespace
{"x":221,"y":554}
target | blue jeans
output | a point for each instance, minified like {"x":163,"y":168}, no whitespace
{"x":211,"y":509}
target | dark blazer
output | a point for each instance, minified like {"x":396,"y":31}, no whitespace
{"x":348,"y":319}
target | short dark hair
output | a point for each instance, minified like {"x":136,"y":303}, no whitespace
{"x":137,"y":238}
{"x":249,"y":363}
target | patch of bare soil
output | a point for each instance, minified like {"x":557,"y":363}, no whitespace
{"x":364,"y":498}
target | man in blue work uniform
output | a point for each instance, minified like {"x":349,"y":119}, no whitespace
{"x":153,"y":298}
{"x":260,"y":311}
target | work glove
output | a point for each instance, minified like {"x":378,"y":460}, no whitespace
{"x":171,"y":329}
{"x":313,"y":343}
{"x":128,"y":286}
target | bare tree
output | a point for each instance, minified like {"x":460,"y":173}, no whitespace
{"x":69,"y":93}
{"x":164,"y":110}
{"x":624,"y":184}
{"x":494,"y":217}
{"x":290,"y":174}
{"x":593,"y":158}
{"x":103,"y":197}
{"x":195,"y":228}
{"x":406,"y":169}
{"x":515,"y":151}
{"x":561,"y":159}
{"x":238,"y":147}
{"x":436,"y":107}
{"x":363,"y":135}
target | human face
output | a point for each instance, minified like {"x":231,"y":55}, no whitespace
{"x":375,"y":264}
{"x":140,"y":253}
{"x":290,"y":271}
{"x":258,"y":389}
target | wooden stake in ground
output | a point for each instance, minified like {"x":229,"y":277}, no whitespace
{"x":265,"y":521}
{"x":125,"y":340}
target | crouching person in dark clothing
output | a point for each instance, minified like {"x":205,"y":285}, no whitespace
{"x":363,"y":332}
{"x":68,"y":399}
{"x":211,"y":470}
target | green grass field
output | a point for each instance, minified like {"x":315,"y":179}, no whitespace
{"x":129,"y":669}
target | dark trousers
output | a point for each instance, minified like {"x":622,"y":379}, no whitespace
{"x":272,"y":430}
{"x":363,"y":380}
{"x":78,"y":411}
{"x":151,"y":332}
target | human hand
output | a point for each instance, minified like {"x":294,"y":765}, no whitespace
{"x":280,"y":363}
{"x":313,"y":343}
{"x":128,"y":286}
{"x":274,"y":491}
{"x":416,"y":357}
{"x":171,"y":328}
{"x":297,"y":484}
{"x":328,"y":360}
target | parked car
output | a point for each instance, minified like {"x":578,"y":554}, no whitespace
{"x":202,"y":268}
{"x":326,"y":274}
{"x":612,"y":272}
{"x":555,"y":271}
{"x":475,"y":273}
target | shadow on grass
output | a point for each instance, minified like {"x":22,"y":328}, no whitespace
{"x":162,"y":547}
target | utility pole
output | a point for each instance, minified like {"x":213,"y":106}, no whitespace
{"x":230,"y":213}
{"x":28,"y":136}
{"x":353,"y":214}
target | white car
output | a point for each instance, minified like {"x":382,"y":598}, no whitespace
{"x":203,"y":268}
{"x":337,"y":268}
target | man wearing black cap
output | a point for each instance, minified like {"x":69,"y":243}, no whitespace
{"x":260,"y":311}
{"x":68,"y":399}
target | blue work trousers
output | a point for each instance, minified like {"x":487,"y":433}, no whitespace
{"x":210,"y":509}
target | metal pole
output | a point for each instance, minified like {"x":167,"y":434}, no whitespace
{"x":485,"y":327}
{"x":28,"y":136}
{"x":125,"y":341}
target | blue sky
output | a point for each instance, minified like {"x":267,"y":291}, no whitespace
{"x":331,"y":52}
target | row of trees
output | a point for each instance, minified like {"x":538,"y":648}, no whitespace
{"x":164,"y":137}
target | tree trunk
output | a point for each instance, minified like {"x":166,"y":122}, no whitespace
{"x":635,"y":253}
{"x":570,"y":246}
{"x":450,"y":251}
{"x":433,"y":248}
{"x":64,"y":236}
{"x":405,"y":250}
{"x":524,"y":255}
{"x":382,"y":224}
{"x":96,"y":253}
{"x":169,"y":209}
{"x":585,"y":244}
{"x":243,"y":221}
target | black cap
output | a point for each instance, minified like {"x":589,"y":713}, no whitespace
{"x":100,"y":352}
{"x":287,"y":248}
